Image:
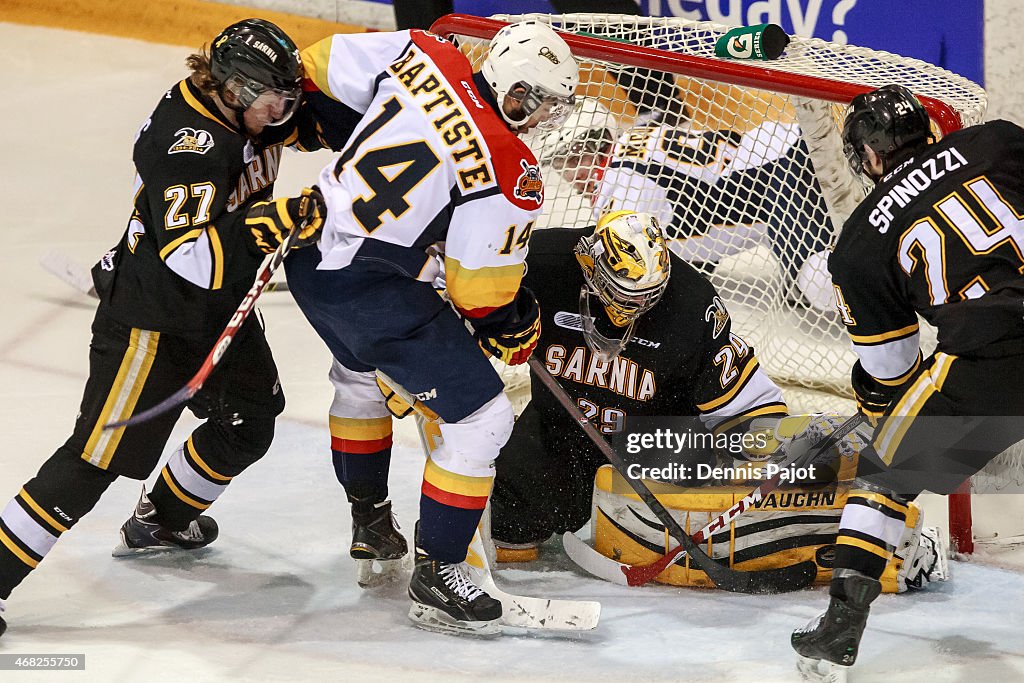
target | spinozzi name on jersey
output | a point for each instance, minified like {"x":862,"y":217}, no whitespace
{"x":916,"y":182}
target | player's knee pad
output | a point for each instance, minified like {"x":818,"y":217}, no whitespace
{"x":471,"y":445}
{"x":356,"y":394}
{"x":235,"y":440}
{"x":246,"y":425}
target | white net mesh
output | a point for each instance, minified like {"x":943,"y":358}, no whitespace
{"x":749,"y":180}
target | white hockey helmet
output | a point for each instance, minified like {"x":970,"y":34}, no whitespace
{"x":529,"y":61}
{"x":626,"y":265}
{"x":589,"y":128}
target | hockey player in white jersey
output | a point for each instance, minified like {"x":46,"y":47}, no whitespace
{"x":717,"y":192}
{"x":434,"y":174}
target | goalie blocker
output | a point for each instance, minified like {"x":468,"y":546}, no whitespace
{"x":791,"y":525}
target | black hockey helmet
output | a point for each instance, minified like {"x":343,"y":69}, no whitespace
{"x":252,"y":57}
{"x":888,"y":120}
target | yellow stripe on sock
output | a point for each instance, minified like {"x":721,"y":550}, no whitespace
{"x":199,"y":461}
{"x":181,"y":495}
{"x":865,"y":546}
{"x":41,"y":512}
{"x":18,"y":552}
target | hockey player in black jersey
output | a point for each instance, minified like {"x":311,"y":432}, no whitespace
{"x":202,"y":223}
{"x":940,"y":236}
{"x":626,"y":340}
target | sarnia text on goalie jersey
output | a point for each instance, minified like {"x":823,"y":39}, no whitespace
{"x":619,"y":375}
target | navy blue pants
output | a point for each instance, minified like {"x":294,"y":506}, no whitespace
{"x":372,"y":316}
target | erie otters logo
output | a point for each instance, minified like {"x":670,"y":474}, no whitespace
{"x":716,"y":312}
{"x":192,"y":140}
{"x":529,"y":185}
{"x":547,"y":54}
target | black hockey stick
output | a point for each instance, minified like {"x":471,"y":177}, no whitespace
{"x":780,"y":580}
{"x":221,"y":346}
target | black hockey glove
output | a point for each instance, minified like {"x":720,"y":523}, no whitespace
{"x":872,"y":396}
{"x":514,"y":341}
{"x":270,"y":222}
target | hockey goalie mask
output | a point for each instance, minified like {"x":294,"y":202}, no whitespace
{"x":626,"y":266}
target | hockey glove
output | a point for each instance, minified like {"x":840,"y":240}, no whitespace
{"x":513,"y":342}
{"x":822,"y":425}
{"x":270,"y":222}
{"x":395,"y":404}
{"x":872,"y":396}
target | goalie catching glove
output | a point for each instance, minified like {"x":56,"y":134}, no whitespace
{"x":271,"y":221}
{"x":775,"y":438}
{"x":514,"y":340}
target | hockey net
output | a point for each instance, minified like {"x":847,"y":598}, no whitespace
{"x":775,"y":287}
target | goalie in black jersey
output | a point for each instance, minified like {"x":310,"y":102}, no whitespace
{"x":941,"y":237}
{"x":202,"y":222}
{"x":626,"y":340}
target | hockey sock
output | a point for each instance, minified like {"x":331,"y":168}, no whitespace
{"x":188,"y":484}
{"x":450,"y":509}
{"x":361,"y":450}
{"x":65,"y":489}
{"x":869,"y":532}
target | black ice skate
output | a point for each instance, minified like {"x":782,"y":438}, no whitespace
{"x":446,"y":599}
{"x":378,"y":548}
{"x":828,"y":644}
{"x":143,"y":533}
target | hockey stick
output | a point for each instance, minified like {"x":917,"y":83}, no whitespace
{"x":518,"y":611}
{"x":79,"y":278}
{"x":68,"y":271}
{"x":638,"y":575}
{"x":221,"y":346}
{"x":777,"y":580}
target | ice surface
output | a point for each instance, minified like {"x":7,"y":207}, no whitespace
{"x":275,"y":597}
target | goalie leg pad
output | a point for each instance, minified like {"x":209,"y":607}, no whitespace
{"x":925,"y":559}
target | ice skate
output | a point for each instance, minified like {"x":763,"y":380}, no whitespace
{"x":828,"y":644}
{"x":379,"y":549}
{"x":445,"y":599}
{"x":142,"y":533}
{"x":3,"y":624}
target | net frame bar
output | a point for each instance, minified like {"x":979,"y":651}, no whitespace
{"x":741,"y":73}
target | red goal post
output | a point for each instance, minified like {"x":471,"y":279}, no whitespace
{"x":742,"y":73}
{"x":810,"y":86}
